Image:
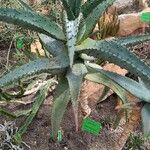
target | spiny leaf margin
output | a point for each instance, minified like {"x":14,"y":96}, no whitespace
{"x":38,"y":66}
{"x":32,"y":21}
{"x":61,"y":100}
{"x":91,"y":20}
{"x":117,"y":54}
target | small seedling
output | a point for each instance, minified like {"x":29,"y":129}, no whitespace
{"x":134,"y":142}
{"x":91,"y":126}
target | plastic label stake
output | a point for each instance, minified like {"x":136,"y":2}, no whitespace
{"x":91,"y":126}
{"x":59,"y":136}
{"x":19,"y":43}
{"x":145,"y":17}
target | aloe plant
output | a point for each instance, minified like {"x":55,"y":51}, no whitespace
{"x":108,"y":25}
{"x":73,"y":54}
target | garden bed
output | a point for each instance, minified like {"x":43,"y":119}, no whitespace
{"x":38,"y":135}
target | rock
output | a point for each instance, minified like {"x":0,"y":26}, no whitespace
{"x":146,"y":10}
{"x":143,"y":4}
{"x":129,"y":23}
{"x":123,"y":5}
{"x":36,"y":48}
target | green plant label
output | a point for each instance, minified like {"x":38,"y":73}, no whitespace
{"x":145,"y":17}
{"x":19,"y":43}
{"x":59,"y":136}
{"x":91,"y":126}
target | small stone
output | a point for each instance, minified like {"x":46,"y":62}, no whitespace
{"x":129,"y":23}
{"x":122,"y":5}
{"x":65,"y":148}
{"x":143,"y":4}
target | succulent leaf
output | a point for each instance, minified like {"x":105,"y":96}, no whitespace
{"x":72,"y":8}
{"x":112,"y":52}
{"x":144,"y":83}
{"x":32,"y":21}
{"x":79,"y":22}
{"x":89,"y":6}
{"x":145,"y":113}
{"x":75,"y":7}
{"x":8,"y":114}
{"x":128,"y":84}
{"x":71,"y":35}
{"x":68,"y":9}
{"x":104,"y":93}
{"x":53,"y":46}
{"x":91,"y":19}
{"x":132,"y":40}
{"x":99,"y":77}
{"x":75,"y":77}
{"x":61,"y":99}
{"x":38,"y":66}
{"x":41,"y":95}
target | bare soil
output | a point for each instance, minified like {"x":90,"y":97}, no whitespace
{"x":38,"y":134}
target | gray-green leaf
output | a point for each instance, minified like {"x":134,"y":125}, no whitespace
{"x":61,"y":99}
{"x":92,"y":17}
{"x":132,"y":40}
{"x":32,"y":21}
{"x":41,"y":95}
{"x":146,"y":119}
{"x":38,"y":66}
{"x":117,"y":54}
{"x":75,"y":77}
{"x":98,"y":76}
{"x":129,"y":85}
